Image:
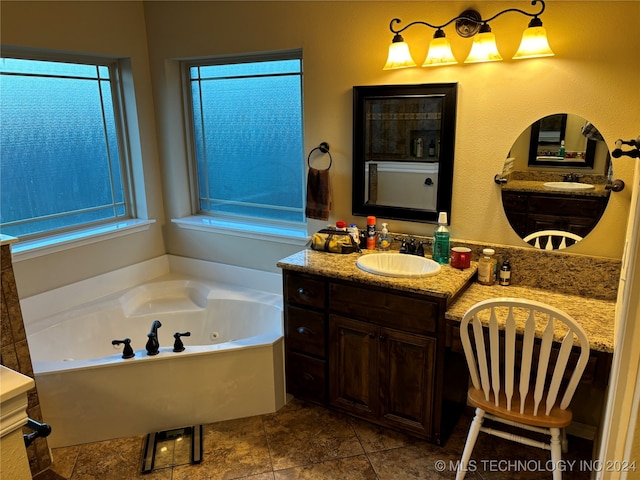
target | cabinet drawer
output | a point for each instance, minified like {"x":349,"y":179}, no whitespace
{"x":304,"y":290}
{"x":565,"y":205}
{"x":306,"y":377}
{"x":305,"y":331}
{"x":393,"y":310}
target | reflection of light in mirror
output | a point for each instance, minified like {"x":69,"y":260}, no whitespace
{"x":534,"y":165}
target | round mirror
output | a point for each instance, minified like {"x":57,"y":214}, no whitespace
{"x":557,"y":176}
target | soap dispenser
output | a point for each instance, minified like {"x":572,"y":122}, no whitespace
{"x":384,"y":242}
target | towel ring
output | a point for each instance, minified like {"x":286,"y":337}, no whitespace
{"x":324,"y":148}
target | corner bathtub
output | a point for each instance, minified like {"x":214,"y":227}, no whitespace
{"x":232,"y":365}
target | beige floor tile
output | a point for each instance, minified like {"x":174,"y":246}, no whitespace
{"x":309,"y":435}
{"x":351,"y":468}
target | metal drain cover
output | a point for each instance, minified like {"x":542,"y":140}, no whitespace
{"x":170,"y":448}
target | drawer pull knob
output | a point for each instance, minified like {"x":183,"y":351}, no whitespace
{"x":302,"y":291}
{"x":383,"y":338}
{"x":308,"y":377}
{"x":305,"y":331}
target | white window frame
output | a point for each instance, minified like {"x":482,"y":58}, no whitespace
{"x":85,"y":234}
{"x":262,"y":229}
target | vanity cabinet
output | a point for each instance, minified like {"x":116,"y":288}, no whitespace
{"x":374,"y":353}
{"x":530,"y":212}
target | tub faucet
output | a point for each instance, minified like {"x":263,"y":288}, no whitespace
{"x":153,"y":346}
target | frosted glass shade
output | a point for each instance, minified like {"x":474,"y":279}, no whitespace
{"x":439,"y":53}
{"x":484,"y":49}
{"x":534,"y":44}
{"x":399,"y":56}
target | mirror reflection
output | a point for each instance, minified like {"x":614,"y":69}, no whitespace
{"x":558,"y":175}
{"x":403,"y":150}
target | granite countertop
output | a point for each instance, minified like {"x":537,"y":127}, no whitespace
{"x":595,"y":316}
{"x":538,"y":187}
{"x":457,"y":286}
{"x":343,"y":267}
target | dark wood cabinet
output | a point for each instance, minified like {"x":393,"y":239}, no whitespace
{"x":381,"y":356}
{"x":530,"y":212}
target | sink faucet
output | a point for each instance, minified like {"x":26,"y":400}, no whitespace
{"x":153,"y":346}
{"x":572,"y":177}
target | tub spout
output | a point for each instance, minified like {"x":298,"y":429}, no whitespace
{"x":153,"y":346}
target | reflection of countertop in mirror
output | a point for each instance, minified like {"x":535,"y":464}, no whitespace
{"x":538,"y":187}
{"x":595,"y":316}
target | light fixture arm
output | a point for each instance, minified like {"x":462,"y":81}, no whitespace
{"x":468,"y":16}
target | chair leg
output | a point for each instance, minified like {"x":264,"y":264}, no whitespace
{"x":472,"y":436}
{"x":556,"y":453}
{"x":564,"y":440}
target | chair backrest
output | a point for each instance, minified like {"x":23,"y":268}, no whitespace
{"x":517,"y":315}
{"x":548,"y":235}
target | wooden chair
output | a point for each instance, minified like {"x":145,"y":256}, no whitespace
{"x":515,"y":389}
{"x":549,"y":234}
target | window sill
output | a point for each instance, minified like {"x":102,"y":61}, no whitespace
{"x":65,"y":241}
{"x":274,"y":233}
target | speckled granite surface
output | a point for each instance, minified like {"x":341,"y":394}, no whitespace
{"x":579,"y":299}
{"x":445,"y":285}
{"x":595,"y":316}
{"x":538,"y":187}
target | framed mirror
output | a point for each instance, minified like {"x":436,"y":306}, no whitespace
{"x":403,"y":142}
{"x":556,"y":195}
{"x":557,"y":140}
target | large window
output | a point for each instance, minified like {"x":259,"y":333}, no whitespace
{"x":247,"y":146}
{"x":62,"y":147}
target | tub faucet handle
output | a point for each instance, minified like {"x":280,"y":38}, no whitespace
{"x":178,"y":346}
{"x":128,"y":351}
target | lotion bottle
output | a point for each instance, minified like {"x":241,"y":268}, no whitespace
{"x":384,"y":242}
{"x":486,"y":267}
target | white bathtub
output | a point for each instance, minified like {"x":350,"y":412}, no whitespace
{"x":232,"y":365}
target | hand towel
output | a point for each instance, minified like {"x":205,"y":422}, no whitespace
{"x":318,"y":194}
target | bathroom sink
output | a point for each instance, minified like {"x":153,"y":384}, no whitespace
{"x":568,"y":186}
{"x":398,"y":265}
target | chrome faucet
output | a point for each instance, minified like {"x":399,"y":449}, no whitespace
{"x":153,"y":346}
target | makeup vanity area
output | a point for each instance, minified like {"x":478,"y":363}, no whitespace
{"x":388,"y":349}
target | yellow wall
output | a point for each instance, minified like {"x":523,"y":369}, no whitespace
{"x":345,"y":44}
{"x":593,"y":74}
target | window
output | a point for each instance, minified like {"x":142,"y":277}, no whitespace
{"x":246,"y":136}
{"x":62,"y":146}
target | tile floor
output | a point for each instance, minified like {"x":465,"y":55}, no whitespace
{"x":304,"y":442}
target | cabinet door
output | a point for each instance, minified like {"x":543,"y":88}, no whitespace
{"x":353,"y":374}
{"x":407,"y":371}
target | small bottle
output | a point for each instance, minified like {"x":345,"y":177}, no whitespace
{"x":353,"y":230}
{"x":432,"y":148}
{"x":561,"y":152}
{"x":371,"y":233}
{"x":505,"y":274}
{"x":384,"y":242}
{"x":441,"y":240}
{"x":419,"y":148}
{"x":486,"y":267}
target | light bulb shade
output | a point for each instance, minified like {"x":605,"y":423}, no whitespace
{"x":439,"y":53}
{"x":534,"y":44}
{"x":484,"y":49}
{"x":399,"y":56}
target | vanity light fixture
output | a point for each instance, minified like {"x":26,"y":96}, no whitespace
{"x":469,"y":23}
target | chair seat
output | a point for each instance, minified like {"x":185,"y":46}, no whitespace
{"x":557,"y":418}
